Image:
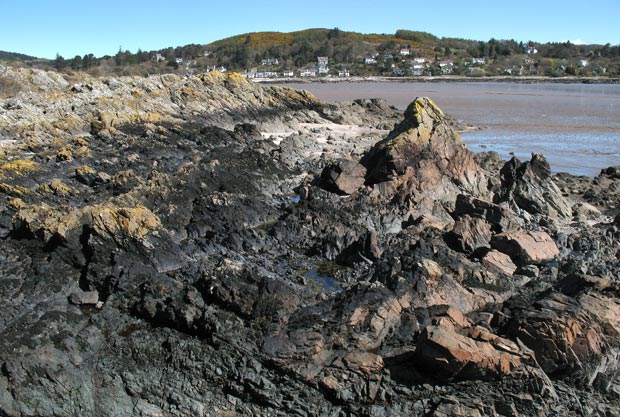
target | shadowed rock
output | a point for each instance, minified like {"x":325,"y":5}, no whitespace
{"x":531,"y":187}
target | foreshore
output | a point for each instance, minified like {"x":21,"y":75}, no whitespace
{"x":443,"y":78}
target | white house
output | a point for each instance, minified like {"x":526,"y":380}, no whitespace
{"x":307,"y":73}
{"x":323,"y":70}
{"x":270,"y":61}
{"x":583,"y":63}
{"x":288,"y":74}
{"x":266,"y":74}
{"x":179,"y":60}
{"x":343,"y":73}
{"x":369,"y":61}
{"x":323,"y":60}
{"x":404,"y":51}
{"x":215,"y":68}
{"x":531,"y":50}
{"x":418,"y":69}
{"x":446,"y":67}
{"x":419,"y":60}
{"x":206,"y":53}
{"x":159,"y":57}
{"x":480,"y":61}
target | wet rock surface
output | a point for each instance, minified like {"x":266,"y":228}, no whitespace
{"x":207,"y":246}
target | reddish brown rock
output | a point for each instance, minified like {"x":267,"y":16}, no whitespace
{"x":365,"y":363}
{"x":499,"y":260}
{"x":449,"y":354}
{"x":566,"y":333}
{"x":471,"y":233}
{"x":343,"y":177}
{"x":526,"y":247}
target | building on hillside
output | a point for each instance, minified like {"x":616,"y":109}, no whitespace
{"x":288,"y":74}
{"x":419,"y":60}
{"x":216,"y":68}
{"x":178,"y":60}
{"x":323,"y":70}
{"x":446,"y":67}
{"x":270,"y":61}
{"x":370,"y":61}
{"x":310,"y":72}
{"x":405,"y":51}
{"x":158,"y":57}
{"x":206,"y":53}
{"x":388,"y":56}
{"x":478,"y":61}
{"x":266,"y":74}
{"x":323,"y":60}
{"x":343,"y":73}
{"x":530,"y":50}
{"x":418,"y":69}
{"x":583,"y":63}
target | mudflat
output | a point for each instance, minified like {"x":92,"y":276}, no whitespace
{"x":576,"y":126}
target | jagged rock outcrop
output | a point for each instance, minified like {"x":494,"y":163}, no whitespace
{"x":424,"y":151}
{"x":531,"y":187}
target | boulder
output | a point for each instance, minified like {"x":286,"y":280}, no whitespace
{"x":526,"y":247}
{"x":532,"y":188}
{"x":88,"y":176}
{"x":84,"y":298}
{"x":343,"y":177}
{"x":424,"y":148}
{"x":470,"y":234}
{"x":571,"y":336}
{"x":499,"y":260}
{"x":472,"y":353}
{"x":502,"y":219}
{"x":365,"y":363}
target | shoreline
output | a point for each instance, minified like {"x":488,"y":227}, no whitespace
{"x":442,"y":78}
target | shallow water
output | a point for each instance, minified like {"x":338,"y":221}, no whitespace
{"x":576,"y":126}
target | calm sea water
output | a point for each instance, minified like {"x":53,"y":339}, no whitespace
{"x":576,"y":126}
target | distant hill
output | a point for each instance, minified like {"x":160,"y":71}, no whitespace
{"x":14,"y":56}
{"x":344,"y":53}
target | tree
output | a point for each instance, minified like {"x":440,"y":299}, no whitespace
{"x":76,"y":63}
{"x":88,"y":61}
{"x":59,"y":62}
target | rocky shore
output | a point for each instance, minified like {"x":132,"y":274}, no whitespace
{"x":213,"y":247}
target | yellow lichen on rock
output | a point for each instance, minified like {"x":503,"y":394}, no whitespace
{"x":18,"y":167}
{"x":13,"y":190}
{"x":56,"y":187}
{"x":133,"y":222}
{"x":44,"y":221}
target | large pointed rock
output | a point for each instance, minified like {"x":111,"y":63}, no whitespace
{"x":426,"y":150}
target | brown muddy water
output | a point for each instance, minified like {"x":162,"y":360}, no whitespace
{"x":576,"y":126}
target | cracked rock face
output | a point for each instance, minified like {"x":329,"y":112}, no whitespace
{"x":208,"y":246}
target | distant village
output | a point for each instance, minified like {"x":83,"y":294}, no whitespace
{"x":402,"y":62}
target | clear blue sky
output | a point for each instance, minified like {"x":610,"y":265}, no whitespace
{"x":71,"y":27}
